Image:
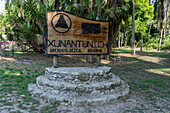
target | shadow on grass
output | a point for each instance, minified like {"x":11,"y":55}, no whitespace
{"x":136,"y":72}
{"x":156,"y":54}
{"x":19,"y":53}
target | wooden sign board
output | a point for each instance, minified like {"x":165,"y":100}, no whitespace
{"x":68,"y":34}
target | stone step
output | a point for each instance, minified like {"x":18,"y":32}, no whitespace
{"x":93,"y":99}
{"x":79,"y":85}
{"x":79,"y":70}
{"x":42,"y":81}
{"x":78,"y":74}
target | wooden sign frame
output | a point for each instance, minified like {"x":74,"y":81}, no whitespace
{"x":59,"y":24}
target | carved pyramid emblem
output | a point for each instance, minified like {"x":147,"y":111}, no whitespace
{"x":61,"y":23}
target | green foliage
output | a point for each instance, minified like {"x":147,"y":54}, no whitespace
{"x":26,"y":18}
{"x":152,"y":42}
{"x":10,"y":37}
{"x":165,"y":43}
{"x":143,"y":17}
{"x":27,"y":32}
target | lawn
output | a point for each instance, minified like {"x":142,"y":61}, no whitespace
{"x":147,"y":73}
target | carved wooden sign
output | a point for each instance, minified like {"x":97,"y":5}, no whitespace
{"x":68,"y":34}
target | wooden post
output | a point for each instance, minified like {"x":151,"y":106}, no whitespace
{"x":55,"y":64}
{"x":90,"y":60}
{"x":98,"y":60}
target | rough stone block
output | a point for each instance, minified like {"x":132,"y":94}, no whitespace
{"x":79,"y":85}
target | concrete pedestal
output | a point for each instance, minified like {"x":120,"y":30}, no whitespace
{"x":79,"y":85}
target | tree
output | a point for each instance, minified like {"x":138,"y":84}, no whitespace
{"x":133,"y":28}
{"x":26,"y":19}
{"x":144,"y":15}
{"x":166,"y":14}
{"x":28,"y":16}
{"x":1,"y":50}
{"x":1,"y":38}
{"x":138,"y":25}
{"x":121,"y":34}
{"x":115,"y":10}
{"x":160,"y":21}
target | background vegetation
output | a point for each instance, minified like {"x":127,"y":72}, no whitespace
{"x":24,"y":20}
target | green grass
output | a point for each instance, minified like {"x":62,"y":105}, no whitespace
{"x":122,"y":50}
{"x":14,"y":82}
{"x":147,"y":74}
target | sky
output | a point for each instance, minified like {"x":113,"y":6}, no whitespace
{"x":2,"y":6}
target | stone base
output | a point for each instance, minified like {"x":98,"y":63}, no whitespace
{"x":79,"y":85}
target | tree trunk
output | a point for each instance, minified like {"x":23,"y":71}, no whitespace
{"x":110,"y":42}
{"x":126,"y":30}
{"x":56,"y":6}
{"x":122,"y":40}
{"x":161,"y":18}
{"x":160,"y":40}
{"x":2,"y":51}
{"x":141,"y":47}
{"x":89,"y":59}
{"x":149,"y":28}
{"x":119,"y":41}
{"x":115,"y":22}
{"x":91,"y":8}
{"x":166,"y":10}
{"x":133,"y":29}
{"x":127,"y":35}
